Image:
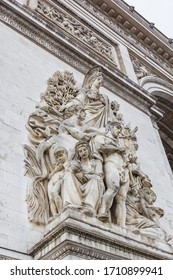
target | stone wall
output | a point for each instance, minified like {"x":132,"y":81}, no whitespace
{"x":24,"y":69}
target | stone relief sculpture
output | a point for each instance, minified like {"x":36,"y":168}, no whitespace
{"x":83,"y":156}
{"x":68,"y":23}
{"x":90,"y":177}
{"x":141,"y":70}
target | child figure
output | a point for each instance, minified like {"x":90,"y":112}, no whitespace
{"x":56,"y":181}
{"x":63,"y":187}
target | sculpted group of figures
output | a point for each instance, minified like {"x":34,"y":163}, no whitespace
{"x":82,"y":156}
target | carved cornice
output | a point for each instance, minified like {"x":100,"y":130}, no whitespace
{"x":135,"y":17}
{"x":120,"y":25}
{"x":80,"y":240}
{"x":86,"y":235}
{"x":30,"y":25}
{"x":72,"y":248}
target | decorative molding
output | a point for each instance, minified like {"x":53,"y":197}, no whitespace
{"x":92,"y":243}
{"x":66,"y":249}
{"x":130,"y":38}
{"x":157,"y":81}
{"x":116,"y":81}
{"x":150,"y":26}
{"x":74,"y":28}
{"x":143,"y":29}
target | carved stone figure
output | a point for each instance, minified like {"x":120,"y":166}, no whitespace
{"x":63,"y":188}
{"x":90,"y":177}
{"x":140,"y":69}
{"x":95,"y":104}
{"x":72,"y":124}
{"x":106,"y":143}
{"x":142,"y":217}
{"x":82,"y":155}
{"x":56,"y":178}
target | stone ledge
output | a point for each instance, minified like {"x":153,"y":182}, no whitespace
{"x":75,"y":234}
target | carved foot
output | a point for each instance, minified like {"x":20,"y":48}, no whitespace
{"x":104,"y":217}
{"x":89,"y":211}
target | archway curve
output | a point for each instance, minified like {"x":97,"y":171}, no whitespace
{"x":158,"y":87}
{"x":163,"y":93}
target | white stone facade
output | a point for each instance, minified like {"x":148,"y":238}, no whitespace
{"x":25,"y":67}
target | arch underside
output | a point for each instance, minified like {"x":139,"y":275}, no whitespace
{"x":163,"y":93}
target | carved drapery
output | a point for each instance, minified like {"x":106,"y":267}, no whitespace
{"x":82,"y":156}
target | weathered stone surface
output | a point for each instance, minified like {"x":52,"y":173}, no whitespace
{"x":26,"y":65}
{"x":76,"y":236}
